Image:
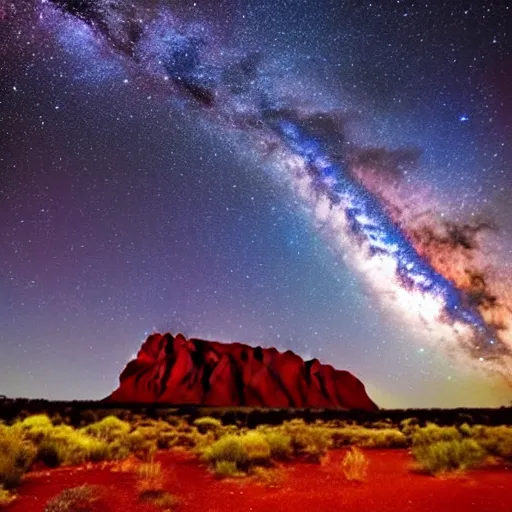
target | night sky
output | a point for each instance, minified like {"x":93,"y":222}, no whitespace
{"x":331,"y":177}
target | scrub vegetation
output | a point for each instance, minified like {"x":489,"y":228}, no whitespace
{"x":231,"y":450}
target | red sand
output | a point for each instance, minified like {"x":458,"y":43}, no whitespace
{"x":390,"y":486}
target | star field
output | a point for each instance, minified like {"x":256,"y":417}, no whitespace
{"x":139,"y":192}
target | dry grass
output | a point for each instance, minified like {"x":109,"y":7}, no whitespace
{"x":355,"y":465}
{"x":160,"y":498}
{"x":226,"y":469}
{"x":149,"y":476}
{"x":270,"y":477}
{"x":447,"y":456}
{"x":74,"y":499}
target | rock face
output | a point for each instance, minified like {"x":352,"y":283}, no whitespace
{"x":175,"y":370}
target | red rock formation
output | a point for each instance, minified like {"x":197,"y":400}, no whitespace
{"x":174,"y":370}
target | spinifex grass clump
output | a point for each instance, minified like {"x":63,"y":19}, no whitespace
{"x":226,"y":469}
{"x":313,"y":441}
{"x":355,"y":465}
{"x":229,"y":449}
{"x":64,"y":445}
{"x":368,"y":437}
{"x":159,"y":498}
{"x":448,"y":456}
{"x":257,"y":448}
{"x":432,"y":433}
{"x":208,"y":424}
{"x":497,"y":441}
{"x":279,"y":442}
{"x":16,"y":456}
{"x":109,"y":429}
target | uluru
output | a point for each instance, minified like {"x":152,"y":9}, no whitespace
{"x":175,"y":370}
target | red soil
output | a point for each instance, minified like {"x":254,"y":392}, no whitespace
{"x":391,"y":486}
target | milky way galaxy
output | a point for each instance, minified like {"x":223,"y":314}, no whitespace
{"x":439,"y":276}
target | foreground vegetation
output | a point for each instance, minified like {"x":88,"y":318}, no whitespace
{"x":235,"y":450}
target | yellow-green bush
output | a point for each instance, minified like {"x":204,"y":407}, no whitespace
{"x":384,"y":438}
{"x":37,"y":422}
{"x":208,"y":424}
{"x":368,"y":438}
{"x":495,"y":440}
{"x":256,"y":446}
{"x":109,"y":429}
{"x":186,"y":439}
{"x":225,"y":469}
{"x":16,"y":457}
{"x":409,"y":426}
{"x":433,"y":433}
{"x":270,"y":477}
{"x":448,"y":455}
{"x":35,"y":427}
{"x":279,"y":442}
{"x":65,"y":445}
{"x":166,"y":439}
{"x":141,"y":442}
{"x":310,"y":440}
{"x":230,"y":449}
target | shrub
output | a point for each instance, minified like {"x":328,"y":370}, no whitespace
{"x":433,"y":433}
{"x":495,"y":440}
{"x":225,"y":469}
{"x":64,"y":445}
{"x":16,"y":456}
{"x":202,"y":442}
{"x":409,"y":426}
{"x":159,"y":498}
{"x":48,"y":454}
{"x":142,"y":443}
{"x":74,"y":499}
{"x":385,"y":438}
{"x":267,"y":476}
{"x":166,"y":440}
{"x":382,"y":424}
{"x":208,"y":424}
{"x":174,"y":421}
{"x":355,"y":465}
{"x":228,"y":448}
{"x":37,"y":422}
{"x":310,"y":440}
{"x":280,"y":444}
{"x":256,"y":447}
{"x":446,"y":456}
{"x":185,"y":440}
{"x":35,"y":428}
{"x":466,"y":430}
{"x":109,"y":429}
{"x":369,"y":437}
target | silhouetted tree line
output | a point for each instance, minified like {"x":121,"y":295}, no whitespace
{"x":78,"y":413}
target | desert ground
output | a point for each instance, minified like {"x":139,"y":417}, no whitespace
{"x":101,"y":462}
{"x":390,"y":485}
